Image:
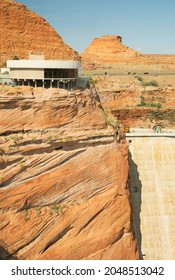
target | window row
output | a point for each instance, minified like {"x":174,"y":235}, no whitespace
{"x":60,"y":73}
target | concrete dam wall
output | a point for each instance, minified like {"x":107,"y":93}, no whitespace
{"x":152,"y":180}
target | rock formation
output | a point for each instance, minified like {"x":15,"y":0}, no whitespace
{"x":45,"y":109}
{"x":64,"y":184}
{"x":108,"y":50}
{"x":23,"y":31}
{"x":135,"y":102}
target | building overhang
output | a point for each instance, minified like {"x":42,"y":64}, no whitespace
{"x":43,"y":64}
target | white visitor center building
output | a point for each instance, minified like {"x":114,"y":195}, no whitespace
{"x":38,"y":72}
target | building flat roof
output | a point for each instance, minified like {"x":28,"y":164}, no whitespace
{"x":44,"y":64}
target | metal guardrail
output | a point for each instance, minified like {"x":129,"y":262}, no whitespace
{"x":153,"y":134}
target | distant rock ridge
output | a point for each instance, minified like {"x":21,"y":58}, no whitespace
{"x":109,"y":50}
{"x":23,"y":31}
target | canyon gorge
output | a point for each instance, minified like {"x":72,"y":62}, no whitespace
{"x":69,"y":189}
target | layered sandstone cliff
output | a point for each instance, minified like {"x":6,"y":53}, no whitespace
{"x":23,"y":31}
{"x":64,"y":184}
{"x":25,"y":108}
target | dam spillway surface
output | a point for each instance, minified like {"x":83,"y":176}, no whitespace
{"x":152,"y":180}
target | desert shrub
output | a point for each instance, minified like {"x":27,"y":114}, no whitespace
{"x":140,"y":79}
{"x":92,"y":82}
{"x":50,"y":139}
{"x":142,"y":101}
{"x":157,"y":105}
{"x":149,"y":104}
{"x":16,"y":138}
{"x":153,"y":83}
{"x":144,"y":83}
{"x":15,"y":57}
{"x":111,"y":121}
{"x":157,"y":115}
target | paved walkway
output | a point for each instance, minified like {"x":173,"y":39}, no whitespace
{"x":152,"y":177}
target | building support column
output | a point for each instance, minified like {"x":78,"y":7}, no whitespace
{"x":58,"y":84}
{"x":43,"y":83}
{"x":50,"y":83}
{"x":35,"y":83}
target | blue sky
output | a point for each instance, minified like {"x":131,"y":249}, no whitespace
{"x":145,"y":25}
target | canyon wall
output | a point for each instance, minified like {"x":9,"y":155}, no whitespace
{"x":25,"y":108}
{"x":64,"y":190}
{"x":137,"y":103}
{"x":23,"y":31}
{"x":77,"y":207}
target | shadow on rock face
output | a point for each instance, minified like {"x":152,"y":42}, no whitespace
{"x":4,"y":254}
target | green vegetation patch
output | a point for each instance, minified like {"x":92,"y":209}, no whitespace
{"x":144,"y":83}
{"x":148,"y":104}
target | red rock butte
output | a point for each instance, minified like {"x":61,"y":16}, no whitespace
{"x":23,"y":31}
{"x":109,"y":50}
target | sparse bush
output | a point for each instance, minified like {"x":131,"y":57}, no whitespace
{"x":92,"y":82}
{"x":149,"y":104}
{"x":50,"y":138}
{"x":110,"y":119}
{"x":157,"y":105}
{"x":15,"y":57}
{"x":153,"y":83}
{"x":140,"y":79}
{"x":144,"y":83}
{"x":58,"y":208}
{"x":44,"y":131}
{"x":55,"y":208}
{"x":142,"y":101}
{"x":157,"y":115}
{"x":16,"y":138}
